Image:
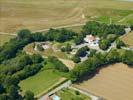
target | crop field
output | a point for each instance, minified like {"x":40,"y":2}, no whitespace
{"x":112,"y":83}
{"x":42,"y":81}
{"x":128,"y":39}
{"x":4,"y":38}
{"x":43,"y":14}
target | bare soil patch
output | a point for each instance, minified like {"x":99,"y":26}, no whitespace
{"x":128,"y":39}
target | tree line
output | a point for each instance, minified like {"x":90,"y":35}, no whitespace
{"x":95,"y":62}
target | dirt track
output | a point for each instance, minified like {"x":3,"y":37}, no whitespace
{"x":113,"y":83}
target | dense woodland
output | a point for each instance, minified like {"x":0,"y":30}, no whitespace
{"x":16,"y":65}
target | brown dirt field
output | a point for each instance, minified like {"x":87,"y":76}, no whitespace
{"x":128,"y":39}
{"x":114,"y":82}
{"x":43,"y":14}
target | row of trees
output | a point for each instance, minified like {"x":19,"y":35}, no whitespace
{"x":16,"y":65}
{"x":13,"y":71}
{"x":25,"y":37}
{"x":101,"y":29}
{"x":93,"y":63}
{"x":61,"y":35}
{"x":58,"y":65}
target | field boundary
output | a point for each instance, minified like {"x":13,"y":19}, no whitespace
{"x":51,"y":88}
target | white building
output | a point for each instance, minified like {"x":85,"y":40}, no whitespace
{"x":91,"y":40}
{"x":127,"y":30}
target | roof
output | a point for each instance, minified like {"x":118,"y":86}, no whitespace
{"x":55,"y":97}
{"x":90,"y":37}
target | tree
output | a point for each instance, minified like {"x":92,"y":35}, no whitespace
{"x":127,"y":57}
{"x":119,"y":43}
{"x":79,"y":39}
{"x":76,"y":59}
{"x":57,"y":64}
{"x":38,"y":36}
{"x":29,"y":95}
{"x":24,"y":33}
{"x":67,"y":48}
{"x":82,"y":51}
{"x":113,"y":56}
{"x":111,"y":37}
{"x":131,"y":27}
{"x":4,"y":97}
{"x":36,"y":58}
{"x":104,"y":44}
{"x":13,"y":92}
{"x":101,"y":29}
{"x":24,"y":60}
{"x":1,"y":89}
{"x":92,"y":52}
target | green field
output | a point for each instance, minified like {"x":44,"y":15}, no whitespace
{"x":4,"y":38}
{"x":42,"y":81}
{"x":39,"y":14}
{"x":68,"y":94}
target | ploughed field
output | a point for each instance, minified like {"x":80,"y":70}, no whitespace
{"x":42,"y":14}
{"x":114,"y":82}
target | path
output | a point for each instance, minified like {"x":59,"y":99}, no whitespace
{"x":125,"y":18}
{"x":93,"y":97}
{"x":12,"y":34}
{"x":43,"y":30}
{"x":64,"y":85}
{"x":66,"y":26}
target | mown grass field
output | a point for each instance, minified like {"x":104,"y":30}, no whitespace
{"x":112,"y":83}
{"x":42,"y":81}
{"x":68,"y":94}
{"x":39,"y":14}
{"x":128,"y":39}
{"x":4,"y":38}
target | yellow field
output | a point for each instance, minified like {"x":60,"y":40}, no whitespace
{"x":40,"y":14}
{"x":128,"y":39}
{"x":4,"y":38}
{"x":111,"y":83}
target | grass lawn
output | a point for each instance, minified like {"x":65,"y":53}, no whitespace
{"x":4,"y":38}
{"x":68,"y":94}
{"x":42,"y":81}
{"x":128,"y":39}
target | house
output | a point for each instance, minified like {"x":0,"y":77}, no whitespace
{"x":127,"y":30}
{"x":91,"y":40}
{"x":55,"y":97}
